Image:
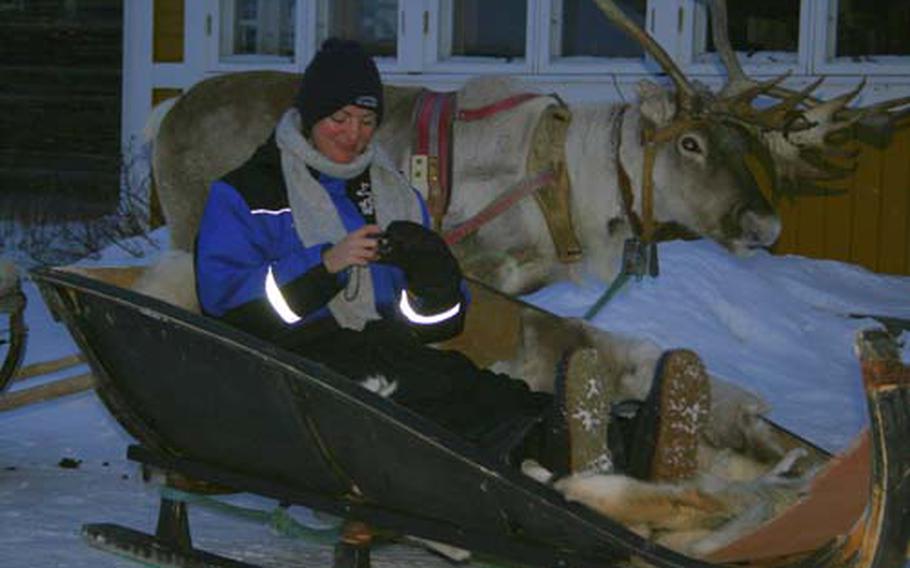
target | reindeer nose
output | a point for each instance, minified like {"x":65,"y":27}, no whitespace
{"x":759,"y":229}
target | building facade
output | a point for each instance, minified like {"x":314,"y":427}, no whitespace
{"x":568,"y":47}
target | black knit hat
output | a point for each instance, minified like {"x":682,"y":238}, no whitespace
{"x":340,"y":74}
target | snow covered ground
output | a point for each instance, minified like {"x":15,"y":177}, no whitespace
{"x":780,"y":326}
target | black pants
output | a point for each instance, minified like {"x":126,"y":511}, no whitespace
{"x":489,"y":409}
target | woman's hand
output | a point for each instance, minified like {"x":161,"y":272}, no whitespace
{"x":357,"y":248}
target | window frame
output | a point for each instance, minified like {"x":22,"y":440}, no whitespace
{"x":214,"y":61}
{"x":694,"y":61}
{"x":431,"y":62}
{"x":549,"y":22}
{"x":824,"y":46}
{"x":395,"y":64}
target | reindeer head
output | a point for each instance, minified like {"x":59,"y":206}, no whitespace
{"x":709,"y":170}
{"x":748,"y":155}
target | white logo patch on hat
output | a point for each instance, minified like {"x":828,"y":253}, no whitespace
{"x":366,"y":101}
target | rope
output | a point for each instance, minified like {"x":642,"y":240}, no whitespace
{"x":278,"y":519}
{"x":618,"y":283}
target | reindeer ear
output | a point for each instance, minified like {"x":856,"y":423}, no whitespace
{"x":656,"y":103}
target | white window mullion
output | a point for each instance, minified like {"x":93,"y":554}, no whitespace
{"x":664,"y":21}
{"x":533,"y":37}
{"x":437,"y":35}
{"x":213,"y":31}
{"x":411,"y":37}
{"x":305,"y":29}
{"x":136,"y":102}
{"x":551,"y":30}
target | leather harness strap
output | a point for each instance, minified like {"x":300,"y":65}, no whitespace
{"x":646,"y":228}
{"x":433,"y":114}
{"x":431,"y":170}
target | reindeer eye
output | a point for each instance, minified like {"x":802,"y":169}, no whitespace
{"x":690,"y":144}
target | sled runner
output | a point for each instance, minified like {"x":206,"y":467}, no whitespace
{"x":207,"y":403}
{"x":13,"y":332}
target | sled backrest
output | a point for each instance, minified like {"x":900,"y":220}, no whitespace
{"x":122,"y":276}
{"x":485,"y":341}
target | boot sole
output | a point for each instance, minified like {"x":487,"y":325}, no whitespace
{"x":587,"y":413}
{"x":685,"y":400}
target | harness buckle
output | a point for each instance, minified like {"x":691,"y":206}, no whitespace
{"x":420,"y":173}
{"x":639,"y":258}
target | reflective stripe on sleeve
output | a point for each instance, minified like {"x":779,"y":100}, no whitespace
{"x":276,"y":299}
{"x":270,"y":211}
{"x":405,"y":306}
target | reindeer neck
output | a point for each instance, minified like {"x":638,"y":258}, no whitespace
{"x":592,"y":169}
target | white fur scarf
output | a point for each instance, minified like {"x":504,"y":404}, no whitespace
{"x":316,"y":218}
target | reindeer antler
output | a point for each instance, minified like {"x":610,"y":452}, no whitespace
{"x":685,"y":91}
{"x":800,"y":130}
{"x":804,"y":134}
{"x":737,"y":80}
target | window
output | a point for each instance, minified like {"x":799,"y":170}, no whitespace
{"x":769,"y":26}
{"x":580,"y":29}
{"x":374,"y":23}
{"x":769,"y":37}
{"x":259,"y":31}
{"x":471,"y":28}
{"x":583,"y":40}
{"x":872,"y":28}
{"x":868,"y":37}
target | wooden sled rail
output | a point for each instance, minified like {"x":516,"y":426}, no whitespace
{"x":50,"y":390}
{"x":48,"y":367}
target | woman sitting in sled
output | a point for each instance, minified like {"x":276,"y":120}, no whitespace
{"x":319,"y":244}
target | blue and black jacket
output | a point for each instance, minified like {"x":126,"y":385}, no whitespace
{"x":247,"y":242}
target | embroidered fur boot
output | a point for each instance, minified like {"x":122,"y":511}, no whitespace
{"x":664,"y":443}
{"x":586,"y":399}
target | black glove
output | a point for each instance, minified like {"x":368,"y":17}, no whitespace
{"x":430,"y":268}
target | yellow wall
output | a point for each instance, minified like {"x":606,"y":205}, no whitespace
{"x":167,"y":39}
{"x":870,"y":225}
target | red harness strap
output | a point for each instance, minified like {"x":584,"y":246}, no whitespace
{"x":517,"y":192}
{"x":433,"y":116}
{"x":468,"y":114}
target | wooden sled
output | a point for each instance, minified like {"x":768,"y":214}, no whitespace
{"x":210,"y":404}
{"x":13,"y":340}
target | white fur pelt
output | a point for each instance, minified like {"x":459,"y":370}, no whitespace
{"x":171,"y":279}
{"x":697,"y":517}
{"x":736,"y":417}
